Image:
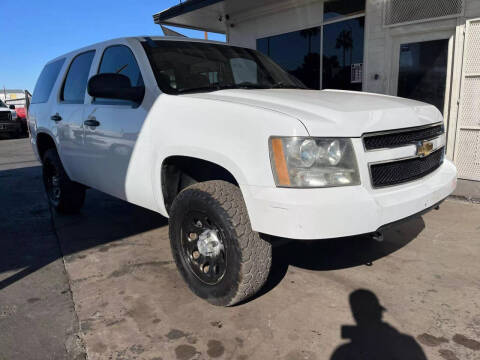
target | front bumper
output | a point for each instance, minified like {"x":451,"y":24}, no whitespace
{"x":343,"y":211}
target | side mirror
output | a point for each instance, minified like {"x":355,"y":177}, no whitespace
{"x":12,"y":107}
{"x":114,"y":86}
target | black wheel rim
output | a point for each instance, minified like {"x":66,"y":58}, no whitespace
{"x":203,"y":247}
{"x":52,"y":182}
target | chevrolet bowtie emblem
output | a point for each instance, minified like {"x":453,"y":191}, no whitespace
{"x":424,"y":148}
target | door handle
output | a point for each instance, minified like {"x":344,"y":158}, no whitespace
{"x":56,"y":117}
{"x":91,"y":122}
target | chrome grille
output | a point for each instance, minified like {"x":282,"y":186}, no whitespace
{"x":403,"y":137}
{"x":402,"y":171}
{"x":5,"y":116}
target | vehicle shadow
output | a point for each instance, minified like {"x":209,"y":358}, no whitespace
{"x":28,"y":237}
{"x":102,"y":220}
{"x":338,"y":253}
{"x":373,"y":338}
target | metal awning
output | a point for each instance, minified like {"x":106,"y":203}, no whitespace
{"x":213,"y":15}
{"x":205,"y":15}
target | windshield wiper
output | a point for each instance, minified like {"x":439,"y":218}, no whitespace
{"x":244,"y":85}
{"x":282,"y":85}
{"x":199,"y":89}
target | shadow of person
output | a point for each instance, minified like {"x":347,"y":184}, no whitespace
{"x":373,"y":338}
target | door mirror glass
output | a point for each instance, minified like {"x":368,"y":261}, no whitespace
{"x":114,"y":86}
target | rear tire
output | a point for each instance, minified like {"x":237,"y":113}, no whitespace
{"x":64,"y":195}
{"x":240,"y":261}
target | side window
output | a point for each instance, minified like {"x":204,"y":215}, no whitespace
{"x":119,"y":59}
{"x":45,"y":82}
{"x":73,"y":91}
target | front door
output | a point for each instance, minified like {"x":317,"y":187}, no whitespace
{"x":113,"y":126}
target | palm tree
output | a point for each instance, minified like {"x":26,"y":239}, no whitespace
{"x":345,"y":42}
{"x":308,"y":34}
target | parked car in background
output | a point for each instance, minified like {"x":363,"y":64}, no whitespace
{"x":234,"y":150}
{"x":9,"y":124}
{"x":22,"y":119}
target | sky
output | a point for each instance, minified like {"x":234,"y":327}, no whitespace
{"x":32,"y":32}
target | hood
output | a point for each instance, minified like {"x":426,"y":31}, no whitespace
{"x":335,"y":112}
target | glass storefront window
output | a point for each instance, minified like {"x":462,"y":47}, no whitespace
{"x":297,"y":52}
{"x":422,"y":72}
{"x":336,"y":8}
{"x":343,"y":54}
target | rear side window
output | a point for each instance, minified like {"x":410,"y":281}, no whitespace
{"x":119,"y":59}
{"x":45,"y":82}
{"x":75,"y":84}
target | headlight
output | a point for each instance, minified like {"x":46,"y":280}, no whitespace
{"x":300,"y":162}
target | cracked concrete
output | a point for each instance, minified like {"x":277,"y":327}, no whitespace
{"x":132,"y":304}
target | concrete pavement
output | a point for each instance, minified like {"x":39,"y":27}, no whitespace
{"x":131,"y":303}
{"x":37,"y":317}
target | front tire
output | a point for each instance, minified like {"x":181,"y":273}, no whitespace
{"x":216,"y":251}
{"x":64,"y":195}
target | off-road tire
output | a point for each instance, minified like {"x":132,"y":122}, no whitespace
{"x":249,"y":257}
{"x":72,"y":194}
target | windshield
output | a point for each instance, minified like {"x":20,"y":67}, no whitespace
{"x":185,"y":67}
{"x":2,"y":104}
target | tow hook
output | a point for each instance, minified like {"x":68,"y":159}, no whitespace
{"x":377,"y":236}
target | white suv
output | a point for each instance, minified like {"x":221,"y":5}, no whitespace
{"x":234,"y":150}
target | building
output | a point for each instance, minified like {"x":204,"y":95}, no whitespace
{"x":427,"y":50}
{"x":14,"y":97}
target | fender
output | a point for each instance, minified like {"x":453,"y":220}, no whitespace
{"x":52,"y":133}
{"x":192,"y":152}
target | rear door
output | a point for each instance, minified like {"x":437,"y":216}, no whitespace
{"x":40,"y":108}
{"x":68,"y":113}
{"x":110,"y":142}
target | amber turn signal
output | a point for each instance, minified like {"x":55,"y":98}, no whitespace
{"x":280,"y":163}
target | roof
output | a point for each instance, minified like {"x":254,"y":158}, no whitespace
{"x":128,"y":38}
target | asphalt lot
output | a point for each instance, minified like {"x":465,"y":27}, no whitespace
{"x":103,"y":282}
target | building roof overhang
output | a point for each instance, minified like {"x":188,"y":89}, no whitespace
{"x":219,"y":15}
{"x":205,"y":15}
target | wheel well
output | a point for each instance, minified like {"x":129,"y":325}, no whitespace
{"x":179,"y":172}
{"x":44,"y":142}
